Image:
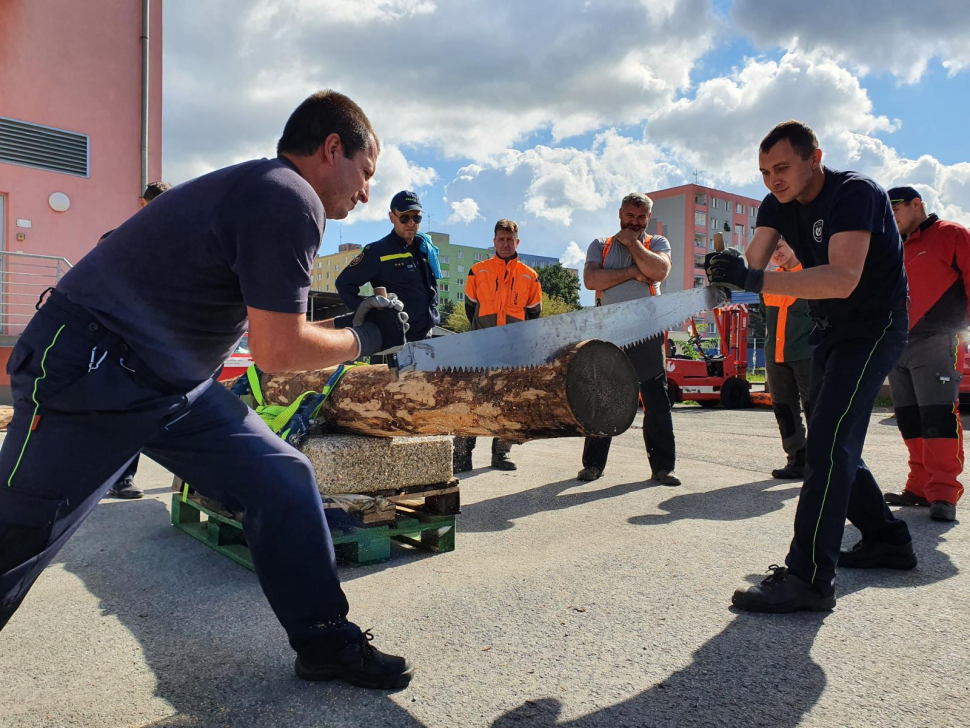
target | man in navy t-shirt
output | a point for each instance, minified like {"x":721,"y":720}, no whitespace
{"x":840,"y":225}
{"x":122,"y":358}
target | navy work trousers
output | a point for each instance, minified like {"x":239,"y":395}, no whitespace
{"x":85,"y":406}
{"x":848,"y":368}
{"x":658,"y":430}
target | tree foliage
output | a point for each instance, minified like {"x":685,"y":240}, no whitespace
{"x":560,"y":283}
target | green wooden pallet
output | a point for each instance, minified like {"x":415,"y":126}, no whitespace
{"x":360,"y":546}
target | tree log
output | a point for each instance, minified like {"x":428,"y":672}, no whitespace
{"x":590,"y":389}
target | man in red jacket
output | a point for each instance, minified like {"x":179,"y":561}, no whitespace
{"x":925,"y":383}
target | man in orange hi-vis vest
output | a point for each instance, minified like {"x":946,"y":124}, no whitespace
{"x":624,"y":267}
{"x":498,"y":291}
{"x":788,"y":363}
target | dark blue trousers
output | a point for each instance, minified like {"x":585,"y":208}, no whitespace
{"x":85,"y":406}
{"x":849,"y":366}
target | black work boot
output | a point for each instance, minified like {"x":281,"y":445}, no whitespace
{"x":876,"y":554}
{"x":782,"y":593}
{"x":125,"y":488}
{"x":360,"y":664}
{"x":943,"y":511}
{"x":906,"y":498}
{"x":500,"y":455}
{"x":462,"y":457}
{"x":794,"y":470}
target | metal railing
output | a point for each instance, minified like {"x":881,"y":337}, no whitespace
{"x":23,"y":277}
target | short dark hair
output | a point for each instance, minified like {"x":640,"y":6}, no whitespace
{"x":638,"y":199}
{"x":154,"y":189}
{"x":507,"y":225}
{"x":799,"y":135}
{"x":322,"y":114}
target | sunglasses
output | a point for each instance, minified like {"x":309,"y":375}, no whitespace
{"x":406,"y":218}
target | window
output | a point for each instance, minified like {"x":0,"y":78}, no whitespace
{"x":328,"y":276}
{"x":336,"y":266}
{"x":478,"y":256}
{"x":461,"y":269}
{"x":714,"y":224}
{"x":461,"y":281}
{"x":699,"y":281}
{"x":328,"y":263}
{"x":700,"y":219}
{"x":443,"y":259}
{"x":739,"y":208}
{"x":700,"y":240}
{"x":460,"y":296}
{"x":739,"y":232}
{"x":715,"y":204}
{"x":753,"y":211}
{"x":461,"y":253}
{"x":443,"y":287}
{"x":700,"y":199}
{"x":698,"y":261}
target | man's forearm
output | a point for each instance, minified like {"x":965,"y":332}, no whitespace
{"x":824,"y":281}
{"x":317,"y":346}
{"x":602,"y":278}
{"x":653,"y":266}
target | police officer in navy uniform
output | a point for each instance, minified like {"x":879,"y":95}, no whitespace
{"x":122,"y":358}
{"x":405,"y":262}
{"x":841,"y":227}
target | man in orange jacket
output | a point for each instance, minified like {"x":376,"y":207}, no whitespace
{"x":788,"y":363}
{"x":498,"y":291}
{"x":926,"y":382}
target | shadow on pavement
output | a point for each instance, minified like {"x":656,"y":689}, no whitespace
{"x":734,"y":503}
{"x":757,"y":672}
{"x":497,"y":514}
{"x":205,"y":629}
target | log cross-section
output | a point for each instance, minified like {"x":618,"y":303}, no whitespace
{"x":590,"y":389}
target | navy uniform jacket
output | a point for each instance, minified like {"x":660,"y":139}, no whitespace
{"x":402,"y":269}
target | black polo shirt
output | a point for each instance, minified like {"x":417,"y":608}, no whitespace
{"x":848,"y":201}
{"x":400,"y":268}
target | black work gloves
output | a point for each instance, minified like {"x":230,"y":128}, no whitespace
{"x":380,"y":324}
{"x":728,"y":270}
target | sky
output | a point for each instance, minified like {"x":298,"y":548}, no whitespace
{"x":549,"y":112}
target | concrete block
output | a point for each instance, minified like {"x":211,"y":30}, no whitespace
{"x":358,"y":464}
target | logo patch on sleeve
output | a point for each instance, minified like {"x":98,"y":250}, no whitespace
{"x":359,"y":257}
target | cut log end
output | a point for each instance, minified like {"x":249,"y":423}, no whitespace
{"x":601,"y":389}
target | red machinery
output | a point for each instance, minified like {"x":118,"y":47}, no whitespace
{"x":713,"y":379}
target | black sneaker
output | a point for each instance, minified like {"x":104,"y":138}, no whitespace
{"x":789,"y":472}
{"x":782,"y":593}
{"x":879,"y":555}
{"x":906,"y":498}
{"x":590,"y":473}
{"x":503,"y":464}
{"x":666,"y":477}
{"x":943,"y":511}
{"x":125,"y":489}
{"x":359,"y":664}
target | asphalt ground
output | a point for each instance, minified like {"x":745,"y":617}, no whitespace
{"x":564,"y":604}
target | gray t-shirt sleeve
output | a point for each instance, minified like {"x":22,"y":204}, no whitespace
{"x":594,"y":253}
{"x":659,"y":244}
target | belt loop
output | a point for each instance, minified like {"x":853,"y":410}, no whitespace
{"x":40,"y":301}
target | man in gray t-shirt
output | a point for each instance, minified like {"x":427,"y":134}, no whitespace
{"x":624,"y":267}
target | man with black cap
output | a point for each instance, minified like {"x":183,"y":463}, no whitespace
{"x":405,"y":262}
{"x":840,"y":225}
{"x":926,"y":382}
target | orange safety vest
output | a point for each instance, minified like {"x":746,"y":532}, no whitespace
{"x":501,"y":291}
{"x":782,"y":303}
{"x":606,"y":249}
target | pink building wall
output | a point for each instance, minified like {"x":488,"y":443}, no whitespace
{"x":76,"y":66}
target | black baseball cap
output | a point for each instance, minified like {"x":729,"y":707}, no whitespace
{"x":405,"y":200}
{"x":899,"y":195}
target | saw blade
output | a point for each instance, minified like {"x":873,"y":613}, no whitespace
{"x":532,"y":343}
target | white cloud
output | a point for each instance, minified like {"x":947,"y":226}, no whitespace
{"x":464,"y":211}
{"x":573,"y":256}
{"x":394,"y":173}
{"x":868,"y":35}
{"x":720,"y":128}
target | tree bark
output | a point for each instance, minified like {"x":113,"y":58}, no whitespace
{"x":589,"y":390}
